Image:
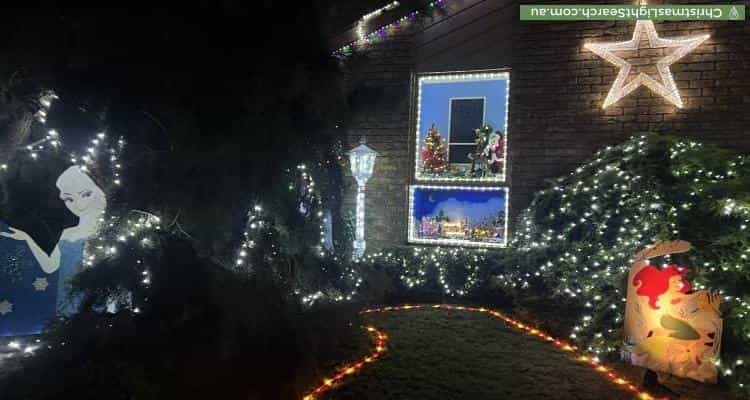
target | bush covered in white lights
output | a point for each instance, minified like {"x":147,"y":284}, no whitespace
{"x":578,"y":238}
{"x":574,"y":244}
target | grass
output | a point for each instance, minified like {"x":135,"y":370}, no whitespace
{"x":464,"y":355}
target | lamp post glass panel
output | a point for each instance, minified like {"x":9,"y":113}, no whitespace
{"x":362,"y":160}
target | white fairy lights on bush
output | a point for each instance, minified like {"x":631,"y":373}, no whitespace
{"x":114,"y":232}
{"x":311,"y":204}
{"x":248,"y":242}
{"x":455,"y":272}
{"x":605,"y":212}
{"x":422,"y":266}
{"x":45,"y":100}
{"x":126,"y":230}
{"x":52,"y":137}
{"x":19,"y":347}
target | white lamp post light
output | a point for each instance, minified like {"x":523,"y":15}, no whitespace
{"x":362,"y":159}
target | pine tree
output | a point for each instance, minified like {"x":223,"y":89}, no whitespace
{"x":434,"y":158}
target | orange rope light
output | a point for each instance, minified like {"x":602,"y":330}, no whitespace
{"x":609,"y":373}
{"x":380,"y":340}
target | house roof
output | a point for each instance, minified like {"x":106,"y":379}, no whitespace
{"x":448,"y":31}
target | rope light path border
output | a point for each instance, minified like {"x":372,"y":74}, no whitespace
{"x":381,"y":339}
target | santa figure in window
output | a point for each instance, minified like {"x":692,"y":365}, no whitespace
{"x":494,"y":152}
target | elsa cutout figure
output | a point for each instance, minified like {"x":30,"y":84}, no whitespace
{"x":87,"y":201}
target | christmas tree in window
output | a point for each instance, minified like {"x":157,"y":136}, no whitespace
{"x":434,"y":157}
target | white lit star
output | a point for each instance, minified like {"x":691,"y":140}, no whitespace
{"x":40,"y":284}
{"x":667,"y":87}
{"x":6,"y":307}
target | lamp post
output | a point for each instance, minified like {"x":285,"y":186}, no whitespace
{"x":362,"y":160}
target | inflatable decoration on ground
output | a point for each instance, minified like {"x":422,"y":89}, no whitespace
{"x":668,"y":327}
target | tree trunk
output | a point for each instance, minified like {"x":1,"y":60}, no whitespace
{"x":14,"y":136}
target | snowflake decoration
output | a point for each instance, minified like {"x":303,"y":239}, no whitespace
{"x":40,"y":284}
{"x":6,"y":307}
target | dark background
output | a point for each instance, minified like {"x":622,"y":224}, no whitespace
{"x":214,"y":101}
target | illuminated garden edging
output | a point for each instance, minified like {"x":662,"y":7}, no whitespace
{"x":609,"y":373}
{"x":380,"y":339}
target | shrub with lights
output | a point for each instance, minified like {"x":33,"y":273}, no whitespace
{"x":574,"y":244}
{"x":577,"y":239}
{"x":147,"y":290}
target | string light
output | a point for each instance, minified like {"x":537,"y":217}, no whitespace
{"x":610,"y":374}
{"x":345,"y":371}
{"x":381,"y":32}
{"x":667,"y":88}
{"x":582,"y":254}
{"x":310,"y":205}
{"x":45,"y":100}
{"x":467,"y":76}
{"x":376,"y":13}
{"x":112,"y":231}
{"x":413,"y":238}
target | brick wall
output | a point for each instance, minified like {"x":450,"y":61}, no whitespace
{"x":380,"y":95}
{"x":557,"y":89}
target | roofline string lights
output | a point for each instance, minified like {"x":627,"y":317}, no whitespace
{"x":380,"y":340}
{"x":382,"y":31}
{"x":363,"y":21}
{"x":609,"y":373}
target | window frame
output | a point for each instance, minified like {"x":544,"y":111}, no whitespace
{"x":418,"y":181}
{"x":416,"y":128}
{"x":412,"y":238}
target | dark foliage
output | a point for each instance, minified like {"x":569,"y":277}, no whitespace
{"x":217,"y":105}
{"x":567,"y":265}
{"x":202,"y":332}
{"x":214,"y":103}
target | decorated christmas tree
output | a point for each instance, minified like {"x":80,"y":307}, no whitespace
{"x":434,"y":158}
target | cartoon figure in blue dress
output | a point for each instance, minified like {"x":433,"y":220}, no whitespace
{"x":39,"y":288}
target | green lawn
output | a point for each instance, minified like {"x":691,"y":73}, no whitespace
{"x":466,"y":355}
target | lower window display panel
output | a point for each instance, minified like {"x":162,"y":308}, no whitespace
{"x":458,"y":216}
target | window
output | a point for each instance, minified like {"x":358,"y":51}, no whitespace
{"x":465,"y":116}
{"x":460,"y":159}
{"x":459,"y":216}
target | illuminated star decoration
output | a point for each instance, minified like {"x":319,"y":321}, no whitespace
{"x":6,"y":307}
{"x":666,"y":88}
{"x":40,"y":284}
